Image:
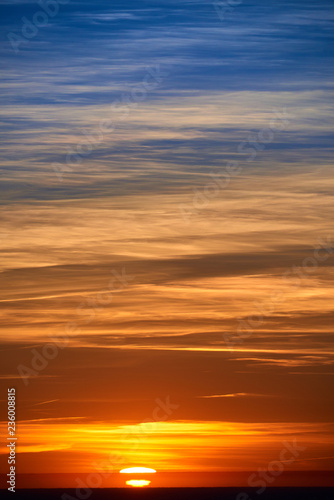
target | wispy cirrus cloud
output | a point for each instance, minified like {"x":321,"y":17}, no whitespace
{"x":119,"y":207}
{"x":235,"y":395}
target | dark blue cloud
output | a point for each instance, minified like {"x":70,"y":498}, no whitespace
{"x":258,"y":45}
{"x":91,"y":54}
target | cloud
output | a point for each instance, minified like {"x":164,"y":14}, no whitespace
{"x":235,"y":395}
{"x":18,"y":377}
{"x":187,"y":445}
{"x":220,"y":84}
{"x":294,"y":362}
{"x":46,"y":402}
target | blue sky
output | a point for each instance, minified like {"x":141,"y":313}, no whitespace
{"x":258,"y":45}
{"x":92,"y":54}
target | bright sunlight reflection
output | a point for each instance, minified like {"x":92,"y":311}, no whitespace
{"x":138,"y":483}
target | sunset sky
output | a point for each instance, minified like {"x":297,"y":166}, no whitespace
{"x":167,"y":235}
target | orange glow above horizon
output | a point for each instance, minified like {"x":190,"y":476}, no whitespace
{"x":172,"y":446}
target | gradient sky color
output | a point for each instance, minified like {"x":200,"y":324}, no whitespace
{"x":167,"y":234}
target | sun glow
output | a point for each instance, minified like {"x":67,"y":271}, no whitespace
{"x":138,"y":483}
{"x":137,"y":470}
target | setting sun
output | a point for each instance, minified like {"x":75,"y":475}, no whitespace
{"x":137,"y":470}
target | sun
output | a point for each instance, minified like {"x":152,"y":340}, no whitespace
{"x":138,"y":470}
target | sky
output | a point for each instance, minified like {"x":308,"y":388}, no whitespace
{"x":167,"y":241}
